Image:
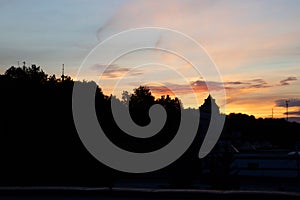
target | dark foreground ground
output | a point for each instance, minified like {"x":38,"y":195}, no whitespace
{"x":130,"y":193}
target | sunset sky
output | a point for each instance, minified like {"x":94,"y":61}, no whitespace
{"x":255,"y":46}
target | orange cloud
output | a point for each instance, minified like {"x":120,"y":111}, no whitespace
{"x":244,"y":39}
{"x":235,"y":34}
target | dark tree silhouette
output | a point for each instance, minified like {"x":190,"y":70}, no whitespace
{"x":39,"y":144}
{"x":140,"y":102}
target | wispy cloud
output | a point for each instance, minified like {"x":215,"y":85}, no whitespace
{"x":198,"y":86}
{"x":201,"y":86}
{"x":291,"y":102}
{"x":287,"y":80}
{"x":293,"y":112}
{"x":236,"y":34}
{"x":178,"y":89}
{"x":243,"y":38}
{"x":232,"y":87}
{"x":247,"y":84}
{"x":114,"y":71}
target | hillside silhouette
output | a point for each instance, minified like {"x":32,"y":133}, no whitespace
{"x":39,"y":144}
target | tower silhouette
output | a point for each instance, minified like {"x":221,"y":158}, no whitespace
{"x":63,"y":73}
{"x":287,"y":109}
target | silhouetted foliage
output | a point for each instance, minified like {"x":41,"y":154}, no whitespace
{"x":32,"y":74}
{"x":140,"y":102}
{"x":278,"y":132}
{"x":39,"y":144}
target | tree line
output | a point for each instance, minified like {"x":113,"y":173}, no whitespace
{"x":39,"y":144}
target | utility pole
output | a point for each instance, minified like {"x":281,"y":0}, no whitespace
{"x":272,"y":113}
{"x":63,"y":73}
{"x":287,"y":109}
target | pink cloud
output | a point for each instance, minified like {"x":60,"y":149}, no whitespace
{"x":234,"y":33}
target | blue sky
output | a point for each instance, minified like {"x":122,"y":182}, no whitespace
{"x":50,"y":33}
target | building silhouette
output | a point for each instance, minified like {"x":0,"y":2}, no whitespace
{"x":209,"y":105}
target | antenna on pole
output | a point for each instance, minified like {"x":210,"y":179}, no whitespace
{"x":272,"y":113}
{"x":63,"y":73}
{"x":18,"y":63}
{"x":287,"y":109}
